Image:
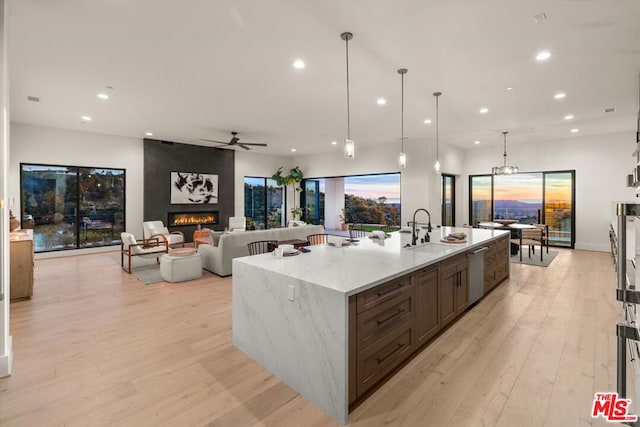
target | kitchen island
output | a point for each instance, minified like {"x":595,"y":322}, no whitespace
{"x":334,"y":322}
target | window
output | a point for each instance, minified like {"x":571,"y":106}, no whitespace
{"x":448,"y":200}
{"x":372,"y":199}
{"x":480,"y":199}
{"x":264,"y":202}
{"x":71,"y":207}
{"x":529,"y":198}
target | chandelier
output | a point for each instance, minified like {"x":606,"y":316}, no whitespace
{"x":504,"y":169}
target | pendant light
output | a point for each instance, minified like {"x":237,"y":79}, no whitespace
{"x":402,"y":160}
{"x":436,"y":165}
{"x":349,"y":145}
{"x":504,"y":169}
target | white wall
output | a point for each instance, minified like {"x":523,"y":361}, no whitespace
{"x":38,"y":144}
{"x":260,"y":165}
{"x":5,"y":339}
{"x":333,"y":202}
{"x":601,"y":164}
{"x":420,"y":185}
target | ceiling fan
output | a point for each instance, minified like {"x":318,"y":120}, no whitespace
{"x":234,"y":141}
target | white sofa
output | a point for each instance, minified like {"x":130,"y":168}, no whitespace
{"x":217,"y":259}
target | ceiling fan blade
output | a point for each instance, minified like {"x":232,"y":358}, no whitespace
{"x":240,"y":144}
{"x":217,"y":142}
{"x":254,"y":144}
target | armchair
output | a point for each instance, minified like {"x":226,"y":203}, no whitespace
{"x":153,"y":229}
{"x":147,"y":248}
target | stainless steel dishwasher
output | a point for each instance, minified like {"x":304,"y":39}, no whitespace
{"x":476,"y":274}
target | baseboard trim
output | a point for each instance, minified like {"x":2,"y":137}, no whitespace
{"x":6,"y":362}
{"x":593,"y":247}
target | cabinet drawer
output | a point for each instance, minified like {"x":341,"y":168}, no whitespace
{"x":381,"y":293}
{"x":375,"y":362}
{"x":456,"y":263}
{"x":376,"y":323}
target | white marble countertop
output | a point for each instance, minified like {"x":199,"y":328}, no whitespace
{"x":369,"y":262}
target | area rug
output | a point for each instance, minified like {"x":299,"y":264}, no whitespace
{"x":147,"y":270}
{"x":547,"y":258}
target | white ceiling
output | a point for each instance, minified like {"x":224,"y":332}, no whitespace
{"x":192,"y":69}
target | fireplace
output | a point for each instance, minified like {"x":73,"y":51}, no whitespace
{"x":192,"y":218}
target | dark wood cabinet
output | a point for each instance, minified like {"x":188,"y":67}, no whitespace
{"x":391,"y":321}
{"x":454,"y":288}
{"x":496,"y":263}
{"x":427,"y":289}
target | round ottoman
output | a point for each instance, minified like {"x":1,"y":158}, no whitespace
{"x":177,"y":267}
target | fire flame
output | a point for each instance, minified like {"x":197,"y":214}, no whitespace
{"x":193,"y":219}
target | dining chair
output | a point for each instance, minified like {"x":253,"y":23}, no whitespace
{"x":317,"y":239}
{"x":529,"y":237}
{"x":262,"y":246}
{"x":357,"y":230}
{"x":388,"y":228}
{"x":545,"y":234}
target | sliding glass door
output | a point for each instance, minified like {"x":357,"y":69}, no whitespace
{"x":559,"y":207}
{"x":529,"y":198}
{"x":264,"y":202}
{"x":72,"y":207}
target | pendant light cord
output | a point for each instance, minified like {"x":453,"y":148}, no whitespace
{"x":437,"y":129}
{"x":402,"y":113}
{"x":348,"y":110}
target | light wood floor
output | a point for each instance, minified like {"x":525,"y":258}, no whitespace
{"x":96,"y":347}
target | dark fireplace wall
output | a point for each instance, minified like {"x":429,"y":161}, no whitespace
{"x":163,"y":157}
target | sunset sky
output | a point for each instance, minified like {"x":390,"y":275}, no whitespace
{"x":374,"y":186}
{"x":524,"y":187}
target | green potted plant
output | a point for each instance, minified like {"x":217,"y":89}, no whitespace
{"x":294,"y":177}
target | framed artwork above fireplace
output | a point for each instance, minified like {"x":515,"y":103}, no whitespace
{"x":193,"y":188}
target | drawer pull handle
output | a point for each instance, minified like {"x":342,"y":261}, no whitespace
{"x":381,"y":294}
{"x":394,"y":351}
{"x":396,"y":314}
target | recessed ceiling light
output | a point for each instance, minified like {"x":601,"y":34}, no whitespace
{"x":103,"y":96}
{"x":427,"y":121}
{"x":293,"y":150}
{"x":381,"y":101}
{"x":560,"y":95}
{"x":298,"y":64}
{"x":509,"y":88}
{"x":568,"y":117}
{"x":86,"y":118}
{"x":334,"y":142}
{"x":476,"y":142}
{"x":575,"y":130}
{"x":543,"y":55}
{"x":539,"y":18}
{"x":148,"y":133}
{"x":484,"y":110}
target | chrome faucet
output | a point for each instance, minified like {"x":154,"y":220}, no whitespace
{"x":414,"y":234}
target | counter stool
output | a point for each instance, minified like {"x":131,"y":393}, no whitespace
{"x":181,"y":265}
